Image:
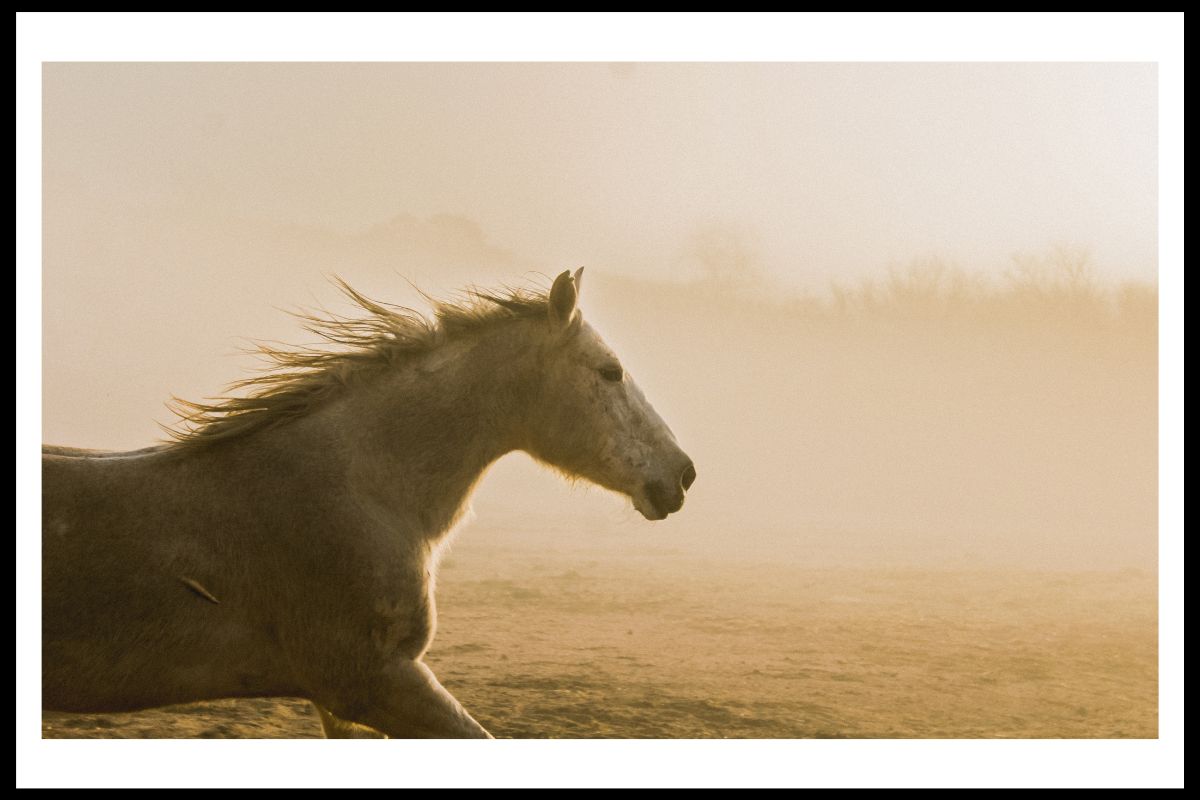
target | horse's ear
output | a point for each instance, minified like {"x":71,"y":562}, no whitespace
{"x":564,"y":296}
{"x":578,"y":282}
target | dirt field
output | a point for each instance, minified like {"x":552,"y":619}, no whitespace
{"x":601,"y":643}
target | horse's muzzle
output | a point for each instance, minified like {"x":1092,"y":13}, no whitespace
{"x":665,"y":498}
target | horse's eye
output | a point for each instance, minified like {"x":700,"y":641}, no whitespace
{"x":612,"y":373}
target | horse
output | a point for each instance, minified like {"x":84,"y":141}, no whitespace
{"x":284,"y":540}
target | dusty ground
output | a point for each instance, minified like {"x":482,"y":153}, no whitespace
{"x":592,"y":644}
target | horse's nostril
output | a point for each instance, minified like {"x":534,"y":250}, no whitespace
{"x":688,"y":477}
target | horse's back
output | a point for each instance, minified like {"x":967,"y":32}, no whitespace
{"x":83,"y":491}
{"x":85,"y":452}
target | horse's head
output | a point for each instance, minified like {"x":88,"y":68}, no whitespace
{"x":591,"y":420}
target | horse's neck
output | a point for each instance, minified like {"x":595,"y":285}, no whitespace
{"x":415,"y":442}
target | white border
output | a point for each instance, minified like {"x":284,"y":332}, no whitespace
{"x":584,"y":37}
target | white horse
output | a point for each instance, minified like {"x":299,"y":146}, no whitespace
{"x":285,"y":543}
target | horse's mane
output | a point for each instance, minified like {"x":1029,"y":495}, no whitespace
{"x":295,"y":378}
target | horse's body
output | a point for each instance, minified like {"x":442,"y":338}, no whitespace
{"x":288,"y":547}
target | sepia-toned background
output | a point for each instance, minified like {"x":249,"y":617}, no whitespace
{"x":903,"y":317}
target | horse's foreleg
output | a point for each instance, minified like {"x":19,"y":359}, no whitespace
{"x":338,"y":728}
{"x":407,"y":702}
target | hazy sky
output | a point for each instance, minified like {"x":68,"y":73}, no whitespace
{"x":805,"y":171}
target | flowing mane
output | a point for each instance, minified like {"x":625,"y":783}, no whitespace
{"x":296,"y":378}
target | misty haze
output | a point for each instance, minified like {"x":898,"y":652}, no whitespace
{"x":916,"y":372}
